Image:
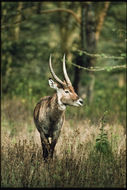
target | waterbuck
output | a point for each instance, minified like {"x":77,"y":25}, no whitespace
{"x":49,"y":112}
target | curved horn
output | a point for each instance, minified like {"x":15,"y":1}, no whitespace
{"x":65,"y":72}
{"x":52,"y":72}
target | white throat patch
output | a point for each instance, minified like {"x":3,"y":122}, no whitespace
{"x":61,"y":105}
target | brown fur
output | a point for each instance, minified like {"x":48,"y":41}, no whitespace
{"x":49,"y":114}
{"x":48,"y":120}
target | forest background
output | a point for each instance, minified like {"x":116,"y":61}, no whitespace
{"x":93,"y":37}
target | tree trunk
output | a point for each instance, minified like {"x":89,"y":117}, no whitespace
{"x":18,"y":18}
{"x":101,"y":19}
{"x":88,"y":43}
{"x":80,"y":59}
{"x":39,"y":4}
{"x":91,"y":48}
{"x":77,"y":73}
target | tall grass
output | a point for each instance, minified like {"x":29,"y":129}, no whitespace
{"x":86,"y":155}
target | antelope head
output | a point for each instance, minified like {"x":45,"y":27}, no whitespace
{"x":65,"y":91}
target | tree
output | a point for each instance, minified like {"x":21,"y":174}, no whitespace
{"x":88,"y":43}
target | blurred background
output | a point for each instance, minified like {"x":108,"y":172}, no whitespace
{"x":93,"y":37}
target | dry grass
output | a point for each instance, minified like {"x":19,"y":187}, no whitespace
{"x":76,"y":161}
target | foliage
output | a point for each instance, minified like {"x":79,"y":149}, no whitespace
{"x":102,"y":143}
{"x":26,"y":47}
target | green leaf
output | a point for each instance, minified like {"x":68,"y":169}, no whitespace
{"x":109,"y":69}
{"x":80,"y":53}
{"x":123,"y":54}
{"x":98,"y":139}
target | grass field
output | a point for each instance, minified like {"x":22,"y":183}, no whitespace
{"x":86,"y":155}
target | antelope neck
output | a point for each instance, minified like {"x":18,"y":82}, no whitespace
{"x":59,"y":105}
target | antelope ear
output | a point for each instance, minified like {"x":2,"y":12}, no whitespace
{"x":52,"y":84}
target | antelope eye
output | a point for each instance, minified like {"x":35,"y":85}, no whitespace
{"x":66,"y":91}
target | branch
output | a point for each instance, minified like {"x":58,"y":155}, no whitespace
{"x":102,"y":55}
{"x":48,"y":11}
{"x":64,"y":10}
{"x":96,"y":69}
